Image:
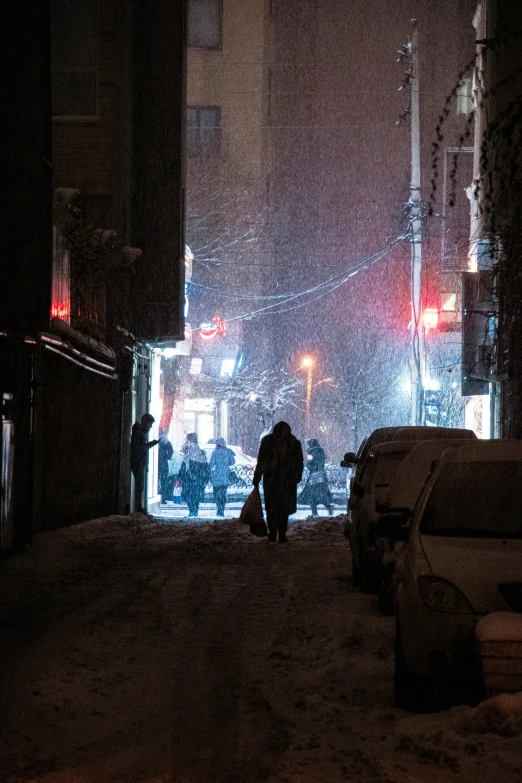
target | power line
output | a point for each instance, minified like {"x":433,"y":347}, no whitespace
{"x":330,"y":285}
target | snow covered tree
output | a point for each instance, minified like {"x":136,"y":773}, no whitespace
{"x":369,"y":376}
{"x":261,"y":391}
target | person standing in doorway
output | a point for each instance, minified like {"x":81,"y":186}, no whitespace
{"x":165,"y":482}
{"x":220,"y":462}
{"x":140,"y":455}
{"x":280,"y":464}
{"x":193,"y":474}
{"x":316,"y":490}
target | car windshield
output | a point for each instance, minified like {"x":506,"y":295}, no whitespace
{"x":476,"y":499}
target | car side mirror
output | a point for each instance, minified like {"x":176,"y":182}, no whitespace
{"x":357,"y":489}
{"x":393,"y":525}
{"x":349,"y":460}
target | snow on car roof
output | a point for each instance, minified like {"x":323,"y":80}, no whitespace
{"x":432,"y":433}
{"x":393,"y":447}
{"x":486,"y":451}
{"x":415,"y":469}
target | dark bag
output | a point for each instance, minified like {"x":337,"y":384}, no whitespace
{"x":252,"y":514}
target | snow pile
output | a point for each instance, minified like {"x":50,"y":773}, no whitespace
{"x":500,"y":627}
{"x":500,"y":715}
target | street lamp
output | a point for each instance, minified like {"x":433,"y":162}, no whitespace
{"x":308,"y":364}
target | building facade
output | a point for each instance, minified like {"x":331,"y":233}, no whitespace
{"x":93,"y":274}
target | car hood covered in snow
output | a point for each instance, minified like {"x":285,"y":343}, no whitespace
{"x":477,"y":566}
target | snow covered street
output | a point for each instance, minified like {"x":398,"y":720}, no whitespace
{"x":136,"y":650}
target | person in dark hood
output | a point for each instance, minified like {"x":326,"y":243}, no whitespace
{"x":316,"y":490}
{"x":220,"y":463}
{"x":193,"y":474}
{"x":280,"y":464}
{"x":140,"y":455}
{"x":165,"y":482}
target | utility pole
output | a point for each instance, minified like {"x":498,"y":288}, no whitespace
{"x":415,"y":210}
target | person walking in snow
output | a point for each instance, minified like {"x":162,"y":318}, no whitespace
{"x":316,"y":490}
{"x":140,"y":456}
{"x":280,"y":464}
{"x":220,"y":462}
{"x":193,"y":474}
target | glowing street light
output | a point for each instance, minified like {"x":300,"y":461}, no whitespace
{"x":308,"y":364}
{"x":324,"y":380}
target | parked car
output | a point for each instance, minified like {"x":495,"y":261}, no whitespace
{"x":367,"y":492}
{"x":462,"y":559}
{"x":433,"y":433}
{"x":410,"y":478}
{"x":358,"y":462}
{"x":388,"y":434}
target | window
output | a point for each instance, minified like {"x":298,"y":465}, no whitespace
{"x":61,"y":281}
{"x":465,"y":97}
{"x":74,"y":58}
{"x":203,"y":131}
{"x":227,"y":368}
{"x":196,"y":365}
{"x":204,"y":24}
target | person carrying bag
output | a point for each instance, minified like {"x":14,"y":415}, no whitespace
{"x":252,"y":514}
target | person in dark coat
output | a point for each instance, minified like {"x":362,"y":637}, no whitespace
{"x":220,"y":463}
{"x":193,"y":474}
{"x":165,"y":482}
{"x":280,"y":464}
{"x":140,"y":455}
{"x":316,"y":490}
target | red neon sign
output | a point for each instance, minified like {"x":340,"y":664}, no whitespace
{"x":209,"y":331}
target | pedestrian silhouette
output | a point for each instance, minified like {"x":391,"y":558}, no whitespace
{"x":316,"y":490}
{"x":280,"y":464}
{"x":140,"y":455}
{"x":220,"y":462}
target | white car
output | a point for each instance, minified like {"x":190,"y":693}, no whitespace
{"x":411,"y":476}
{"x":462,"y":560}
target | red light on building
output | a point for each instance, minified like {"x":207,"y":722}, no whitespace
{"x":430,"y":318}
{"x":60,"y":310}
{"x":209,"y":331}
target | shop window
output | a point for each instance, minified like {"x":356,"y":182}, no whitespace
{"x":204,"y":24}
{"x":74,"y":58}
{"x":203,"y":131}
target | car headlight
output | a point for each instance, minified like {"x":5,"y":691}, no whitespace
{"x":442,"y":596}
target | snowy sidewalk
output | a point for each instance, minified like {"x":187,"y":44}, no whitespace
{"x":207,"y":512}
{"x":133,"y":651}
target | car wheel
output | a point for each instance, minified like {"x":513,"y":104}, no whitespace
{"x":385,"y":594}
{"x":356,"y":574}
{"x":370,"y":581}
{"x":409,"y":687}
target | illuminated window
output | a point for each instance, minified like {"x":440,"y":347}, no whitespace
{"x":204,"y":24}
{"x":203,"y":131}
{"x":61,"y":281}
{"x":465,"y":97}
{"x":448,"y":302}
{"x":200,"y":404}
{"x":196,"y":366}
{"x":227,"y":368}
{"x":74,"y":58}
